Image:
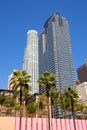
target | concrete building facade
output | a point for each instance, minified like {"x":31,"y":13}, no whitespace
{"x":82,"y":90}
{"x":30,"y":63}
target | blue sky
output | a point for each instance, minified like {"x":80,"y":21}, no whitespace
{"x":19,"y":16}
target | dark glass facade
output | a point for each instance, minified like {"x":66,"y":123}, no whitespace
{"x":55,"y":53}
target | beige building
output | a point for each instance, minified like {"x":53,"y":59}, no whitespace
{"x":9,"y":87}
{"x":82,"y":90}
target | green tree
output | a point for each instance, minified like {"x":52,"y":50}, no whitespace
{"x":85,"y":112}
{"x":31,"y":109}
{"x":42,"y":105}
{"x":81,"y":108}
{"x":17,"y":108}
{"x":7,"y":102}
{"x":64,"y":104}
{"x":19,"y":81}
{"x":72,"y":94}
{"x":2,"y":98}
{"x":47,"y":80}
{"x":54,"y":94}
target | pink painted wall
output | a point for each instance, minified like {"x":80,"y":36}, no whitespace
{"x":56,"y":124}
{"x":12,"y":123}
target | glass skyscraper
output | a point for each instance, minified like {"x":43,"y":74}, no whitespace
{"x":55,"y":53}
{"x":30,"y":63}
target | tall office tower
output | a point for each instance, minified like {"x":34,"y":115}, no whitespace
{"x":30,"y":63}
{"x":55,"y":52}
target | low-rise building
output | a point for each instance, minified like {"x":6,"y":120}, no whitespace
{"x":82,"y":90}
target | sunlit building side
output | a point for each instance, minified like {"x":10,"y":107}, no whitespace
{"x":30,"y":63}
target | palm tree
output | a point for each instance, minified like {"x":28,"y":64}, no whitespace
{"x":54,"y":99}
{"x":64,"y":104}
{"x":72,"y":94}
{"x":19,"y":81}
{"x":47,"y":80}
{"x":31,"y":110}
{"x":41,"y":104}
{"x":41,"y":108}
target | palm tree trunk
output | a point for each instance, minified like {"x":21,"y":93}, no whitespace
{"x":41,"y":123}
{"x":73,"y":113}
{"x":31,"y":123}
{"x":48,"y":104}
{"x":48,"y":112}
{"x":20,"y":122}
{"x":25,"y":118}
{"x":36,"y":119}
{"x":64,"y":114}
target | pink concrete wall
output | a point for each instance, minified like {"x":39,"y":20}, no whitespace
{"x":12,"y":123}
{"x":56,"y":124}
